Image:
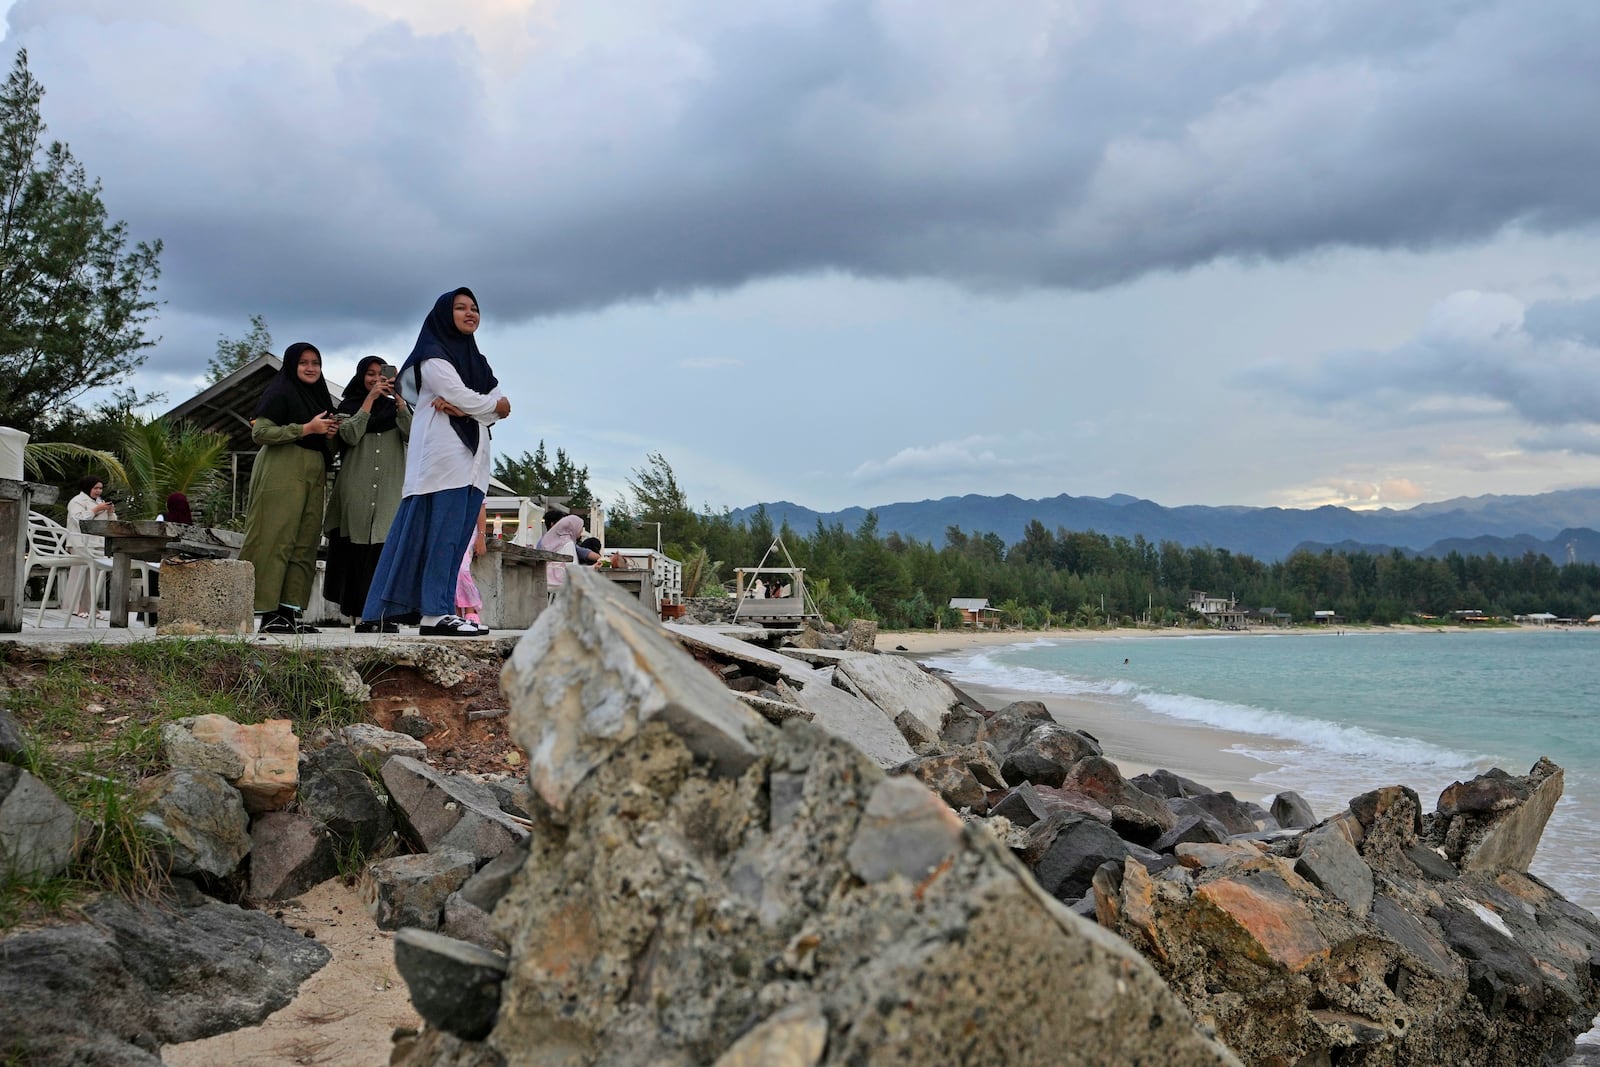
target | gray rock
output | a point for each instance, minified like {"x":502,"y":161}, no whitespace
{"x":1069,"y":848}
{"x":1494,"y":822}
{"x":465,"y":921}
{"x":1100,"y":780}
{"x":289,"y":853}
{"x":923,"y":741}
{"x":1234,"y":815}
{"x":454,"y":985}
{"x":899,"y":685}
{"x":962,"y":727}
{"x":449,"y":811}
{"x":662,"y":921}
{"x":1046,"y":755}
{"x":114,"y":989}
{"x":1431,"y":864}
{"x":1027,"y":804}
{"x":905,"y":831}
{"x":1006,"y":728}
{"x":1292,"y":810}
{"x":983,"y":763}
{"x":335,"y":789}
{"x":861,"y":635}
{"x":485,"y":888}
{"x":1165,"y":784}
{"x":39,"y":833}
{"x":1500,"y":973}
{"x":593,"y":671}
{"x":410,"y":891}
{"x":1331,"y":863}
{"x":949,"y":777}
{"x":202,"y":820}
{"x":374,"y":746}
{"x":181,"y":749}
{"x":1192,"y":829}
{"x":858,"y":721}
{"x":13,"y":739}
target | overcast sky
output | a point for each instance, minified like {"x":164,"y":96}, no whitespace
{"x":866,"y":251}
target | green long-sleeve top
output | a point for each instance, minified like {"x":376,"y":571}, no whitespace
{"x":366,"y":492}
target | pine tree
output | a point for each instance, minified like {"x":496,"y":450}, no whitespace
{"x":73,"y":298}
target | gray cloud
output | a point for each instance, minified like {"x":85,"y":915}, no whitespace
{"x":1478,"y":354}
{"x":345,"y":167}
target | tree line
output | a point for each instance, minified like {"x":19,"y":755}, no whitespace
{"x":1081,"y":577}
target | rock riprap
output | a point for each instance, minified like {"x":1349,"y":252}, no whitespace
{"x":703,"y":887}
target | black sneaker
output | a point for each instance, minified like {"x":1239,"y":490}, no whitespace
{"x":390,"y":628}
{"x":366,"y":627}
{"x":276,"y":622}
{"x":452,"y":626}
{"x":298,"y":627}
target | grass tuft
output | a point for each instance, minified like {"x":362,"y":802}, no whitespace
{"x":94,"y":726}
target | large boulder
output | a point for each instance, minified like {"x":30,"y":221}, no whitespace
{"x":1494,"y":822}
{"x":901,"y":687}
{"x":115,"y":988}
{"x":682,"y":904}
{"x":593,"y":672}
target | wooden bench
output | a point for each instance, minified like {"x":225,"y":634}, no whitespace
{"x":16,"y":500}
{"x":150,"y":541}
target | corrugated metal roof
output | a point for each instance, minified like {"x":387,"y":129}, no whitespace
{"x":226,"y":406}
{"x":969,"y":603}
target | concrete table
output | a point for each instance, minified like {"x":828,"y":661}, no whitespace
{"x":16,"y":500}
{"x":514,"y":584}
{"x":149,"y":541}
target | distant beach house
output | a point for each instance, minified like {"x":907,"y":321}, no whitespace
{"x":1271,"y":617}
{"x":1539,"y":618}
{"x":1326,"y":617}
{"x":1218,"y":611}
{"x":975,"y":611}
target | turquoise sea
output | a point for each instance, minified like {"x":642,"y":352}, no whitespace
{"x":1336,"y":714}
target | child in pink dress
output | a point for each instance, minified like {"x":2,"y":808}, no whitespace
{"x":468,"y":599}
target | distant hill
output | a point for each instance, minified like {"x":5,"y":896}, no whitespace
{"x":1549,"y":519}
{"x":1584,"y":544}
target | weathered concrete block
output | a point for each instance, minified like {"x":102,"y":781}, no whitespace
{"x":207,"y":596}
{"x":593,"y":671}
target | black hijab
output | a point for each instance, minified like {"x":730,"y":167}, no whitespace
{"x":382,"y":415}
{"x":439,"y":339}
{"x":289,"y":401}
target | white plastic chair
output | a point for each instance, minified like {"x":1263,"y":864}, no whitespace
{"x":50,"y":550}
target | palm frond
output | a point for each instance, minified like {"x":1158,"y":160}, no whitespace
{"x":60,"y":459}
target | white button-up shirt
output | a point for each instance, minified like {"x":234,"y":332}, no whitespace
{"x":436,"y":459}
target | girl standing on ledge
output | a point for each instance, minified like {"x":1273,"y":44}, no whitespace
{"x":293,"y":424}
{"x":456,"y":398}
{"x":366,"y":493}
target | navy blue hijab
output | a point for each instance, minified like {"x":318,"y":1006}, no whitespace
{"x":439,"y":339}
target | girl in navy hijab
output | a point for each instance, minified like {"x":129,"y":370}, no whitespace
{"x":456,"y":398}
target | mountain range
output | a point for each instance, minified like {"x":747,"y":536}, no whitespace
{"x":1501,"y":525}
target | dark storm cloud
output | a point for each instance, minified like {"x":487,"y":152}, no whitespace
{"x":342,"y":164}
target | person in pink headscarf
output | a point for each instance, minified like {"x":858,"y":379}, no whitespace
{"x":562,"y":538}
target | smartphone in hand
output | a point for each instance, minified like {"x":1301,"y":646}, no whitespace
{"x":389,"y":370}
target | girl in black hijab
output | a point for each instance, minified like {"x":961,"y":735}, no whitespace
{"x":293,"y":424}
{"x":366,"y":492}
